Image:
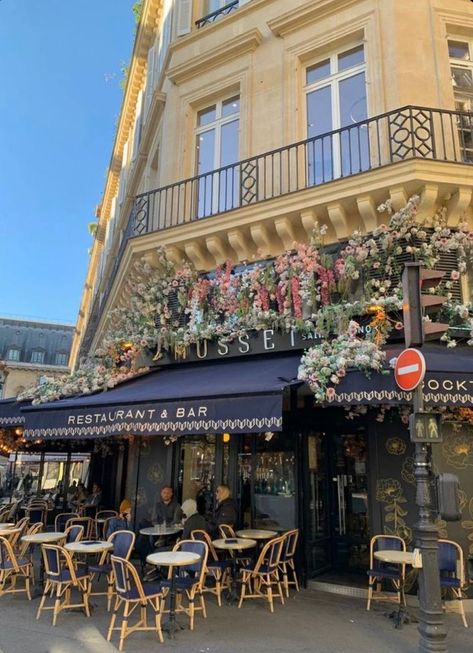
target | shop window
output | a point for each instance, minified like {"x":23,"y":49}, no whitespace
{"x":335,"y":89}
{"x":217,"y":137}
{"x":461,"y":70}
{"x":37,"y":356}
{"x":13,"y":354}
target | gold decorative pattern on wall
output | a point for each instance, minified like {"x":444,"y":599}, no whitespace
{"x":155,"y":474}
{"x":389,"y":492}
{"x":458,"y":450}
{"x":395,"y":446}
{"x":141,"y":497}
{"x":408,"y":469}
{"x":467,"y":524}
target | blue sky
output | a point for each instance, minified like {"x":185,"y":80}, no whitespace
{"x":60,"y":69}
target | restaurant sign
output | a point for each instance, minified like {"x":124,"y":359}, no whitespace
{"x":266,"y":341}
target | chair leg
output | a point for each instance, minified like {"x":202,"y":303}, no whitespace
{"x":270,"y":597}
{"x":157,"y":609}
{"x":57,"y":606}
{"x":370,"y":595}
{"x":242,"y":592}
{"x":203,"y":606}
{"x":461,"y":608}
{"x":112,"y":624}
{"x":43,"y":599}
{"x":124,"y":626}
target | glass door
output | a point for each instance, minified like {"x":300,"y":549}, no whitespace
{"x":337,"y":526}
{"x":197,"y":469}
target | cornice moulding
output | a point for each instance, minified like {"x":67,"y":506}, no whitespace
{"x":235,"y":47}
{"x":306,"y":14}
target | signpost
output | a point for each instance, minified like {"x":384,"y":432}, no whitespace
{"x":424,"y":428}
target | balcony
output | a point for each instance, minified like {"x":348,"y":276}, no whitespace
{"x":306,"y":170}
{"x":216,"y":15}
{"x":400,"y":135}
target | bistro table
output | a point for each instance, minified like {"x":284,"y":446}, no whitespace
{"x":396,"y":557}
{"x":256,"y":534}
{"x":89,"y":546}
{"x":38,"y":539}
{"x":233,"y":544}
{"x":161,"y":530}
{"x":172,"y":559}
{"x":8,"y":530}
{"x":5,"y":524}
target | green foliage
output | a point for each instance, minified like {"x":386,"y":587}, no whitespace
{"x":125,"y":71}
{"x":137,"y":10}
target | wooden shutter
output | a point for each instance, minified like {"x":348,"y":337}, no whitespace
{"x":138,"y":124}
{"x":164,"y":37}
{"x":184,"y":17}
{"x":150,"y":79}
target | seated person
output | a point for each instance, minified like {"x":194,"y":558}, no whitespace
{"x":95,"y":498}
{"x":79,"y":498}
{"x":168,"y":511}
{"x":123,"y":521}
{"x":225,"y":511}
{"x":193,"y":518}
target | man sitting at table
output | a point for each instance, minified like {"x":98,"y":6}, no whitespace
{"x":168,"y":511}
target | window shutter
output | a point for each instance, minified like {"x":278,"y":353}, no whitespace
{"x":184,"y":17}
{"x":149,"y":79}
{"x":164,"y":37}
{"x":121,"y":188}
{"x":138,"y":124}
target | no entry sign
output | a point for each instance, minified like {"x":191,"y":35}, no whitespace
{"x":410,"y":369}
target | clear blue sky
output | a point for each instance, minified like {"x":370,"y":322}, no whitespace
{"x":60,"y":69}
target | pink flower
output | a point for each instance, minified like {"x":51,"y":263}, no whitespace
{"x":454,"y":275}
{"x":330,"y":392}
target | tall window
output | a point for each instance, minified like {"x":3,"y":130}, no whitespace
{"x":37,"y":356}
{"x":13,"y":354}
{"x":336,"y":100}
{"x":217,"y":146}
{"x":61,"y":359}
{"x":461,"y":68}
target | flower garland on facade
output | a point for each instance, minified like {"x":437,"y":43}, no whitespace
{"x":305,"y":289}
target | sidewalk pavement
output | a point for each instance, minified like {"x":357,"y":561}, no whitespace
{"x":314,"y":622}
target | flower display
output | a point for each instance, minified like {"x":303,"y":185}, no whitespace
{"x":168,"y":308}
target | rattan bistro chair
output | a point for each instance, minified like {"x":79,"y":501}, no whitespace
{"x":286,"y":562}
{"x":452,"y":572}
{"x":123,"y":542}
{"x":102,"y":519}
{"x":131,"y":594}
{"x":86,"y":522}
{"x":61,"y":520}
{"x":218,"y":569}
{"x":189,"y":584}
{"x":379,"y":571}
{"x":12,"y":568}
{"x":263,"y":575}
{"x":62,"y":577}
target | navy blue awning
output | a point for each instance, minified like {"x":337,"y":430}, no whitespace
{"x":10,"y":413}
{"x":238,"y":396}
{"x":448,"y":380}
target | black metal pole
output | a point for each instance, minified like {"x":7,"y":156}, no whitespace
{"x":138,"y":465}
{"x":431,"y":627}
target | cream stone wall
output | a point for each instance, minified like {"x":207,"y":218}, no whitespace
{"x":261,"y":51}
{"x":21,"y":378}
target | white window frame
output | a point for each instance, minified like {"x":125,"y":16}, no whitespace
{"x":333,"y":80}
{"x":33,"y":356}
{"x":15,"y":358}
{"x":217,"y":125}
{"x":460,"y":96}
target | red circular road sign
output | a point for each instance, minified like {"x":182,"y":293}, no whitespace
{"x":410,"y":369}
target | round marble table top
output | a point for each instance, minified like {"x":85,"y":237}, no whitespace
{"x":257,"y":534}
{"x":4,"y":525}
{"x":158,"y":531}
{"x":395,"y":556}
{"x":4,"y":532}
{"x":173,"y":558}
{"x":43,"y":538}
{"x":89,"y":546}
{"x":235,"y":543}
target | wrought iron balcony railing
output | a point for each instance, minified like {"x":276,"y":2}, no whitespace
{"x":407,"y":133}
{"x":215,"y":15}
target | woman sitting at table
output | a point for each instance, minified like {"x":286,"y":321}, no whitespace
{"x":122,"y":522}
{"x":193,"y":518}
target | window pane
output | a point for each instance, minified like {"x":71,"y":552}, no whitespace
{"x":319,"y":71}
{"x":462,"y":79}
{"x":205,"y":146}
{"x":353,"y":142}
{"x":319,"y":151}
{"x":458,"y":50}
{"x":228,"y":181}
{"x":231,"y":106}
{"x":206,"y":116}
{"x":13,"y":355}
{"x":351,"y":58}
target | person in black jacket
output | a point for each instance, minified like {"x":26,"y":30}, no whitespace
{"x":226,"y":511}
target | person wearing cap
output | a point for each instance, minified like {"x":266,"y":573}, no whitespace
{"x":193,"y":519}
{"x":122,"y":522}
